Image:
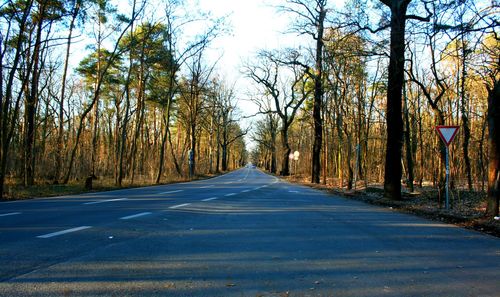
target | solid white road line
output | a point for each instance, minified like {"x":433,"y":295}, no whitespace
{"x":211,"y":186}
{"x":209,"y":199}
{"x":293,"y":191}
{"x":136,"y":216}
{"x":171,"y":192}
{"x":9,"y":214}
{"x":64,"y":232}
{"x":230,"y":194}
{"x":104,"y":201}
{"x":179,"y":206}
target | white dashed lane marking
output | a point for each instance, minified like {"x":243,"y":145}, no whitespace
{"x":171,"y":192}
{"x":104,"y":201}
{"x":10,"y":214}
{"x":136,"y":216}
{"x":209,"y":199}
{"x":64,"y":232}
{"x":230,"y":194}
{"x":210,"y":186}
{"x":179,"y":206}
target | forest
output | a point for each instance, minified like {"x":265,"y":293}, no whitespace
{"x":359,"y":99}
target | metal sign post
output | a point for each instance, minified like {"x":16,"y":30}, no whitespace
{"x":447,"y":134}
{"x":191,"y":163}
{"x":358,"y":149}
{"x":296,"y":155}
{"x":447,"y":178}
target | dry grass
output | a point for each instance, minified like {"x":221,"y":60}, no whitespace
{"x":467,"y":208}
{"x":15,"y":190}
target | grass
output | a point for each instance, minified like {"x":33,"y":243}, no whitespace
{"x":15,"y":190}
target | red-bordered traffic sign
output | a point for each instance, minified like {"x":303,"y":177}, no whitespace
{"x":447,"y":133}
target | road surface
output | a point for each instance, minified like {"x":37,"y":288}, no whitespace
{"x":241,"y":234}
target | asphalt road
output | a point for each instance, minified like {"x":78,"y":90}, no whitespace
{"x":241,"y":234}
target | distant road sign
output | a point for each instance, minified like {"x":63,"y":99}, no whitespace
{"x":447,"y":133}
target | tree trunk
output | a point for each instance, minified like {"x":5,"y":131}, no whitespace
{"x":285,"y":162}
{"x":494,"y":150}
{"x":31,"y":106}
{"x":210,"y":146}
{"x":224,"y":157}
{"x":325,"y":153}
{"x":408,"y":147}
{"x":6,"y":121}
{"x":218,"y":152}
{"x":172,"y":152}
{"x":60,"y":135}
{"x":350,"y":173}
{"x":124,"y":125}
{"x":393,"y":170}
{"x":192,"y":165}
{"x":465,"y":116}
{"x":161,"y":161}
{"x":139,"y":119}
{"x":318,"y":101}
{"x":273,"y":145}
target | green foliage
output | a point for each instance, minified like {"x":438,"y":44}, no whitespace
{"x":91,"y":65}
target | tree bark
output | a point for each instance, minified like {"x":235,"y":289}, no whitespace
{"x":285,"y":162}
{"x":6,"y":121}
{"x":393,"y":169}
{"x":273,"y":147}
{"x":494,"y":150}
{"x":31,"y":104}
{"x":60,"y":136}
{"x":318,"y":100}
{"x":465,"y":116}
{"x":166,"y":120}
{"x":408,"y":146}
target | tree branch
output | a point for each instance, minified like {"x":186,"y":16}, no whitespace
{"x":419,"y":18}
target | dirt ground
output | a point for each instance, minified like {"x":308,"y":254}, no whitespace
{"x":466,"y":208}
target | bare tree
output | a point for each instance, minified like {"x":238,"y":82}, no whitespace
{"x":286,"y":102}
{"x":180,"y":54}
{"x":494,"y":147}
{"x":393,"y":169}
{"x":8,"y":102}
{"x":102,"y":72}
{"x":311,"y":16}
{"x":76,"y":7}
{"x":265,"y":135}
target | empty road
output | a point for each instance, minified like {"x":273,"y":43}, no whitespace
{"x":241,"y":234}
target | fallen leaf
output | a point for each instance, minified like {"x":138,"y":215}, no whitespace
{"x":170,"y":286}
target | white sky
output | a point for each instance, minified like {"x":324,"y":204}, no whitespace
{"x":255,"y":25}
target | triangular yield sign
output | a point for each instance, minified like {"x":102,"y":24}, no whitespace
{"x":447,"y":133}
